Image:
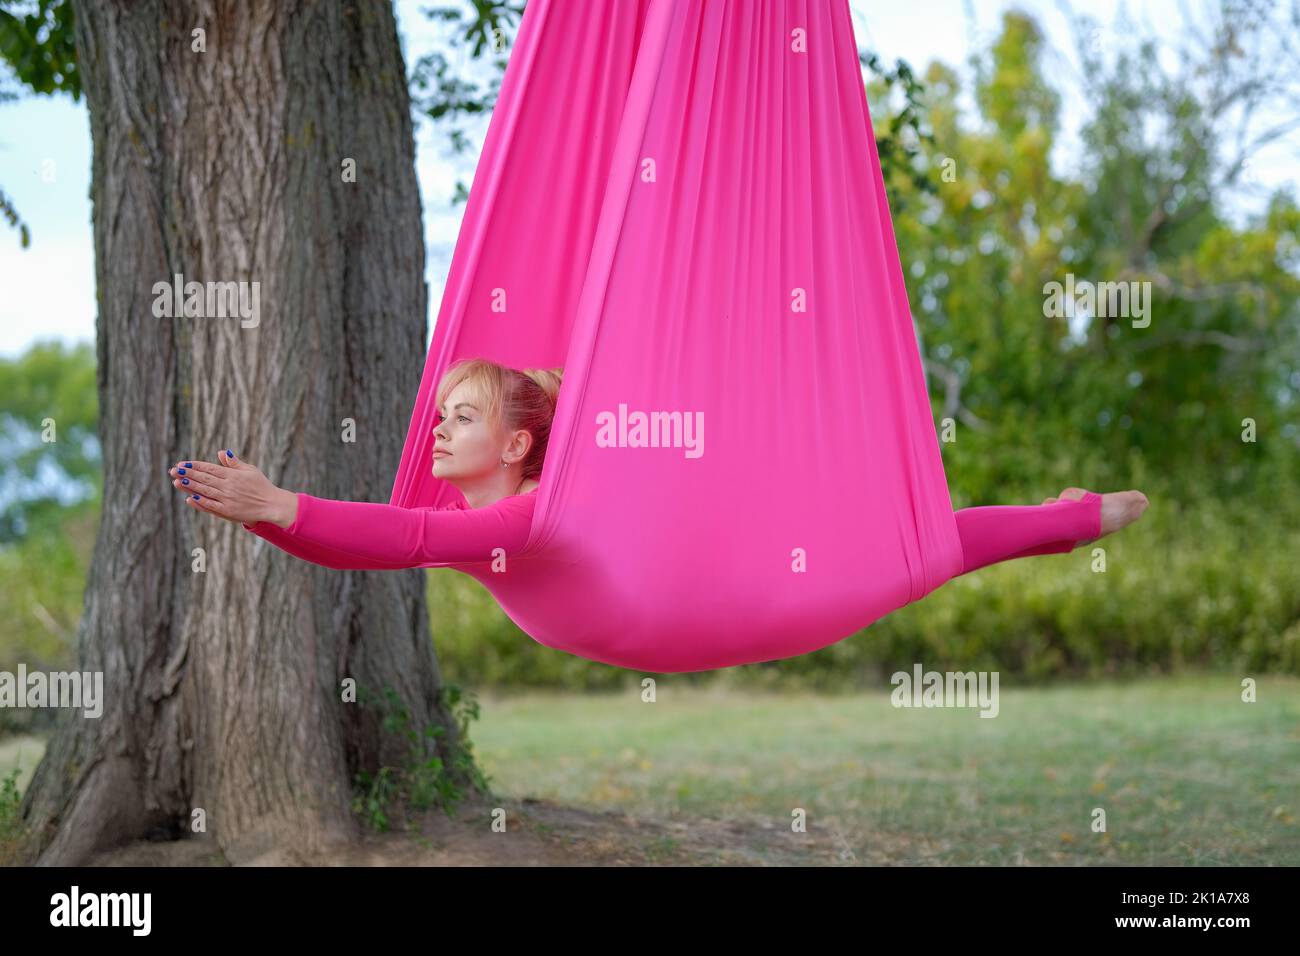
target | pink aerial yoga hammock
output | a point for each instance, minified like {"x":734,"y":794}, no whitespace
{"x":680,"y":201}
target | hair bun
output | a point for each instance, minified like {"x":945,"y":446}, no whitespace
{"x":548,"y":380}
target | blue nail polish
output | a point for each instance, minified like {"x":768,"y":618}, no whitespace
{"x":189,"y":464}
{"x":230,"y":453}
{"x":180,"y":471}
{"x":196,"y":496}
{"x":185,"y":481}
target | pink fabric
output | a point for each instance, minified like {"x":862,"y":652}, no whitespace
{"x":359,"y":535}
{"x":364,"y":535}
{"x":994,"y":533}
{"x":680,"y":201}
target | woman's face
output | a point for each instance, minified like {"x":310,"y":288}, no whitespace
{"x":465,"y":445}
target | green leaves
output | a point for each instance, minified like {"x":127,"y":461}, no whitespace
{"x":49,"y":446}
{"x":38,"y":40}
{"x":10,"y":213}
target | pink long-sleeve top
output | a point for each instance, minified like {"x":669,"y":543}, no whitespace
{"x":364,"y":535}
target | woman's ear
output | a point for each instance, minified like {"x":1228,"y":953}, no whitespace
{"x":523,"y":442}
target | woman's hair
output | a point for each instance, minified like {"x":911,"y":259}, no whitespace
{"x":510,"y":399}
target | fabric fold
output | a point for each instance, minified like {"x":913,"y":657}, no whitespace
{"x":681,"y":203}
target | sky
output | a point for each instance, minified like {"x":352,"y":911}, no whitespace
{"x":47,"y":290}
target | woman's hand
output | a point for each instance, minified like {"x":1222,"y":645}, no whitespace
{"x":234,"y":490}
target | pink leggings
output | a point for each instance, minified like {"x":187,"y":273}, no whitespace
{"x":1000,"y":532}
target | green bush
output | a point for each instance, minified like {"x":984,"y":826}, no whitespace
{"x":42,"y":583}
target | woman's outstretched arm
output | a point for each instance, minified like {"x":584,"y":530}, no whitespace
{"x":334,"y":558}
{"x":353,"y":534}
{"x":396,"y":537}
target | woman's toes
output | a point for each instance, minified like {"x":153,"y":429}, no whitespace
{"x":1073,"y":494}
{"x":1121,"y":508}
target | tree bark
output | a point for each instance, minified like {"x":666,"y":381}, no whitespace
{"x":223,"y":685}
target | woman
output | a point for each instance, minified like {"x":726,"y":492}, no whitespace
{"x":490,"y":442}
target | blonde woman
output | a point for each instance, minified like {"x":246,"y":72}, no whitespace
{"x":490,"y":442}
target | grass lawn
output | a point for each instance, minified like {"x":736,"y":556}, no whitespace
{"x":1186,"y":773}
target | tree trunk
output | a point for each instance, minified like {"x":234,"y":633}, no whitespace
{"x":222,"y":685}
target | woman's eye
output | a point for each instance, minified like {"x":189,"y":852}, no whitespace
{"x":463,"y":418}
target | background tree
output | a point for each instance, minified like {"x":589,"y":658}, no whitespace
{"x":1090,"y":399}
{"x":49,"y":449}
{"x":220,"y":162}
{"x":36,"y":41}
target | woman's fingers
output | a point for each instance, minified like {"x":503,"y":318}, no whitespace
{"x":191,"y":466}
{"x":194,"y":477}
{"x":199,"y":477}
{"x":191,"y":483}
{"x":209,"y":505}
{"x":209,"y":487}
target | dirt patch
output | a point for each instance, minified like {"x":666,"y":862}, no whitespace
{"x":539,"y":833}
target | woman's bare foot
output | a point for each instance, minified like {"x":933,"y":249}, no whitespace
{"x":1118,"y":508}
